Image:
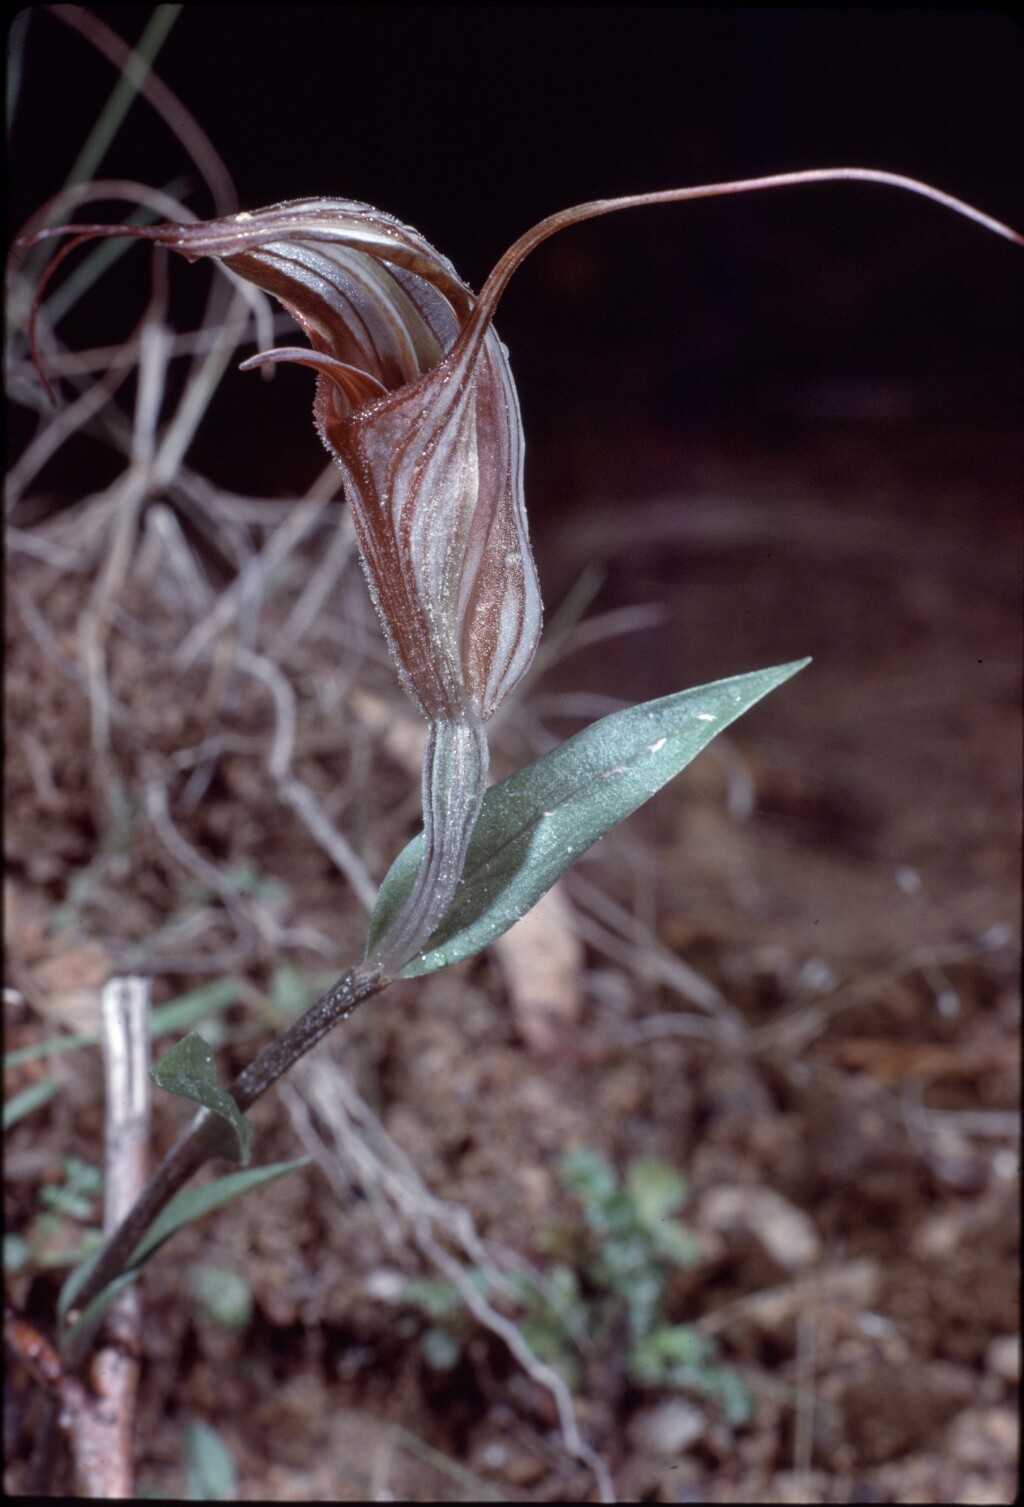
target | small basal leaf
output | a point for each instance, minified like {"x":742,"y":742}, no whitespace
{"x":189,"y":1071}
{"x":74,"y":1282}
{"x":94,"y":1311}
{"x":535,"y":824}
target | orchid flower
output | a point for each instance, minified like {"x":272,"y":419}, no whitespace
{"x":415,"y":400}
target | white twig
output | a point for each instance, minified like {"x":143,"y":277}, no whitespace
{"x":303,"y":801}
{"x":164,"y":538}
{"x":252,"y":582}
{"x":320,"y":585}
{"x":294,"y":792}
{"x":124,"y":1026}
{"x":283,"y":747}
{"x":63,"y":425}
{"x":187,"y":855}
{"x":131,"y":491}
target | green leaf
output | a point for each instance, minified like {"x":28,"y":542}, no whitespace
{"x":535,"y":824}
{"x":209,"y":1466}
{"x":656,"y":1190}
{"x":94,"y":1311}
{"x":222,"y":1297}
{"x":75,"y":1281}
{"x":434,"y":1298}
{"x":17,"y":1253}
{"x":189,"y":1071}
{"x":674,"y":1242}
{"x":590,"y":1176}
{"x":661,"y":1356}
{"x":176,"y":1015}
{"x":193,"y":1203}
{"x":679,"y":1356}
{"x":184,"y":1208}
{"x":31,"y":1098}
{"x":440,"y":1350}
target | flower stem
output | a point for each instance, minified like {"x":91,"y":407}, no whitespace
{"x":202,"y":1140}
{"x":455,"y":763}
{"x":454,"y":780}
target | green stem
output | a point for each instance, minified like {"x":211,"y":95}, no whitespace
{"x":455,"y":763}
{"x":454,"y":781}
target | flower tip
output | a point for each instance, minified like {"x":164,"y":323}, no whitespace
{"x":356,"y":386}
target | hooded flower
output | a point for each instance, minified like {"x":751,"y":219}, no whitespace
{"x":416,"y":402}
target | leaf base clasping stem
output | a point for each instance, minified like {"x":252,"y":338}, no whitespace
{"x":455,"y":762}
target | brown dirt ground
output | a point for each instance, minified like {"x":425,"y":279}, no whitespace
{"x":851,"y":1152}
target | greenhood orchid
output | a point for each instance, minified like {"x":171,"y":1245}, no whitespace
{"x":415,"y":401}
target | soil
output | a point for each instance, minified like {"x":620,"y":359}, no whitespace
{"x":792,"y":977}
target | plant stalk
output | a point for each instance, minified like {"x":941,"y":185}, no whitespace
{"x":202,"y":1140}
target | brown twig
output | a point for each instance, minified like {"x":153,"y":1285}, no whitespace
{"x":74,"y":1409}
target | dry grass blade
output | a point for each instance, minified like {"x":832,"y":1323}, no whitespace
{"x":613,"y":930}
{"x":178,"y":118}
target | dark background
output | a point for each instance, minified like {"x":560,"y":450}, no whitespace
{"x":791,"y":424}
{"x":471,"y":125}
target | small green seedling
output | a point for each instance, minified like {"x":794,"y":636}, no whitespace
{"x":66,"y":1231}
{"x":222,"y":1297}
{"x":613,"y":1278}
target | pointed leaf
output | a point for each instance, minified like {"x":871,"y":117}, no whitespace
{"x":535,"y":824}
{"x":193,"y":1203}
{"x":189,"y":1071}
{"x":184,"y":1208}
{"x":31,"y":1098}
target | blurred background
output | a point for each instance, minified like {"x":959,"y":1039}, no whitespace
{"x":757,"y":428}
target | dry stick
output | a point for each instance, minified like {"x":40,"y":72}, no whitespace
{"x":99,"y":1422}
{"x":202,"y":1140}
{"x":72,"y":1406}
{"x":124,"y":1040}
{"x":131,"y":492}
{"x":296,"y":793}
